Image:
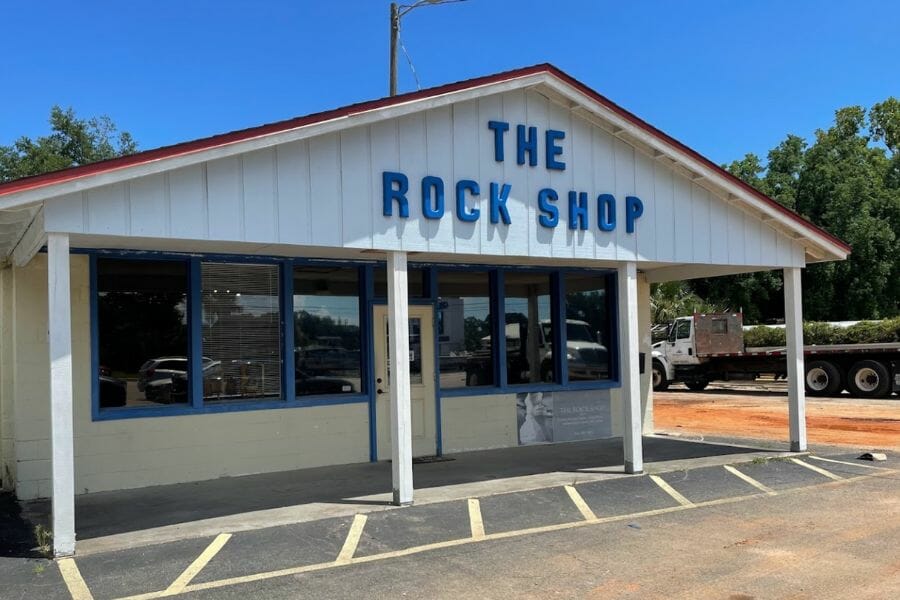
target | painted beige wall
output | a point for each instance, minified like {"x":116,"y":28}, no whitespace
{"x":494,"y":427}
{"x":151,"y":451}
{"x":7,"y":382}
{"x":134,"y":453}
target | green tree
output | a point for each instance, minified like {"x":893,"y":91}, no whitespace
{"x":72,"y":142}
{"x":848,"y":182}
{"x":848,"y":187}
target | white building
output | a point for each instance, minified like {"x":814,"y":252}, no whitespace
{"x":229,"y":305}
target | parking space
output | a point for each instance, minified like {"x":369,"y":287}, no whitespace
{"x":629,"y":495}
{"x":708,"y":484}
{"x":525,"y":510}
{"x":138,"y":570}
{"x":258,"y":555}
{"x":782,"y":474}
{"x":275,"y":548}
{"x":414,"y":526}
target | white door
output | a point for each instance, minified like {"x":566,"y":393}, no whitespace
{"x":421,"y":381}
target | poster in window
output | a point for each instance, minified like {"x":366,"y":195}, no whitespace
{"x":568,"y":416}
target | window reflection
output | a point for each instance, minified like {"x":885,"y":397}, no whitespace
{"x":326,"y":330}
{"x":143,"y":334}
{"x":464,"y":329}
{"x":415,"y":282}
{"x":587,"y":327}
{"x":529,"y":328}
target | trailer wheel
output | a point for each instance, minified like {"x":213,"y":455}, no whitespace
{"x":868,"y":379}
{"x":822,"y":379}
{"x":660,"y":381}
{"x":697,"y":385}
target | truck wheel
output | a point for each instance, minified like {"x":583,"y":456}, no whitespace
{"x":660,"y":382}
{"x":822,"y":379}
{"x":697,"y":385}
{"x":868,"y":379}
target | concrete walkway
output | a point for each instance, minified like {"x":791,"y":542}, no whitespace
{"x":109,"y":521}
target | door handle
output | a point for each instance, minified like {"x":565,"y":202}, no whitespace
{"x":379,"y":391}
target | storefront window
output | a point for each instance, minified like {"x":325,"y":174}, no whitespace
{"x":464,"y":329}
{"x":143,"y":333}
{"x":415,"y":282}
{"x":241,"y":331}
{"x":326,"y":330}
{"x":587,"y":327}
{"x":529,"y":328}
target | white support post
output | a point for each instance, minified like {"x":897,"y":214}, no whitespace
{"x":793,"y":329}
{"x":629,"y":348}
{"x":61,"y":427}
{"x":398,"y":351}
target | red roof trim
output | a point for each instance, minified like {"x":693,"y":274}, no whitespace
{"x":185,"y":148}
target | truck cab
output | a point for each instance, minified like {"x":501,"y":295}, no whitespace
{"x":690,"y":342}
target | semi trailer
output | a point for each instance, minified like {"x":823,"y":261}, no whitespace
{"x":710,"y":347}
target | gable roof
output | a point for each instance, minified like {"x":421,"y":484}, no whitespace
{"x":27,"y":190}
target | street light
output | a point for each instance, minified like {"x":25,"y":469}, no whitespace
{"x":397,"y":13}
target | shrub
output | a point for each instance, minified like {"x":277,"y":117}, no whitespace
{"x":819,"y":334}
{"x":764,"y":336}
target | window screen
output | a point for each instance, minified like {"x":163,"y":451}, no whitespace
{"x":241,"y":331}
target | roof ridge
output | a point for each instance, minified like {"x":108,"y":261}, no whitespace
{"x":223,"y":139}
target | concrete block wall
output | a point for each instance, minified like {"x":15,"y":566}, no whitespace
{"x":132,"y":453}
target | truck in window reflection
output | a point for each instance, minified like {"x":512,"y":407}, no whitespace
{"x":587,"y":358}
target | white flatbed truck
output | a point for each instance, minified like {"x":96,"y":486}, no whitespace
{"x":710,"y":347}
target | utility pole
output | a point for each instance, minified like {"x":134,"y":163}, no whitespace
{"x":397,"y":12}
{"x":395,"y":31}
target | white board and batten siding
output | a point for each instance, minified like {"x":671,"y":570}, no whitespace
{"x":326,"y":191}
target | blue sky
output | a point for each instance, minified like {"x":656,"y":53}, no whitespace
{"x":723,"y":77}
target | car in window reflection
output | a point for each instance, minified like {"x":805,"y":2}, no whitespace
{"x":307,"y":384}
{"x":213,"y":382}
{"x":113,"y":392}
{"x":322,"y":360}
{"x":157,"y":377}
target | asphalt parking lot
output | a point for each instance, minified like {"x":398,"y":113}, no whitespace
{"x":253,"y":557}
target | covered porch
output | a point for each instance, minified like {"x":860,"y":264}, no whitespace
{"x":129,"y":518}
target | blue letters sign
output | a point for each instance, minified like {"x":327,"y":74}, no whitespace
{"x":584,"y":210}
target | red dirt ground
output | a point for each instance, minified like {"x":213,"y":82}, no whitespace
{"x":760,"y":412}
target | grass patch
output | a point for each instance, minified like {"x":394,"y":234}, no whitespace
{"x":44,"y":539}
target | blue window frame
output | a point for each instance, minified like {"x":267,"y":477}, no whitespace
{"x":564,"y":375}
{"x":565,"y":370}
{"x":197,"y":374}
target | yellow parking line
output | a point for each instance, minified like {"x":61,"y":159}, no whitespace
{"x":349,"y":549}
{"x":818,"y":470}
{"x":580,"y":504}
{"x":201,"y":561}
{"x":475,"y":520}
{"x":671,"y":491}
{"x":221,"y":583}
{"x":844,"y":462}
{"x":74,"y":581}
{"x":761,"y":487}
